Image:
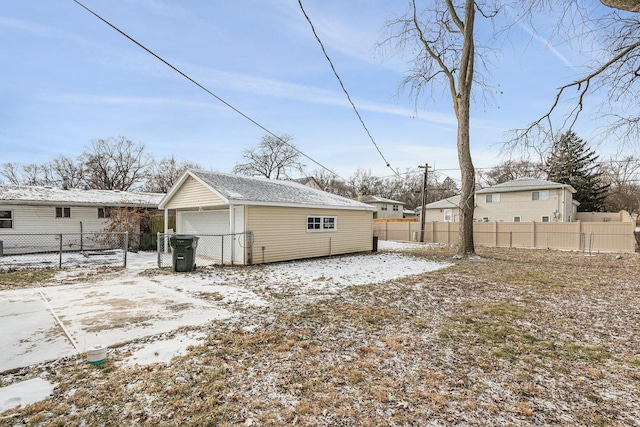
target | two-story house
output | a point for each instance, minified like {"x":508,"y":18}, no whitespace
{"x":520,"y":200}
{"x":385,"y":208}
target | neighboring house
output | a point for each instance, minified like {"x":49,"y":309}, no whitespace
{"x":385,"y":208}
{"x":526,"y":200}
{"x":46,"y":210}
{"x":520,"y":200}
{"x":409,"y":214}
{"x":287,"y":220}
{"x":309,"y":181}
{"x":446,"y":210}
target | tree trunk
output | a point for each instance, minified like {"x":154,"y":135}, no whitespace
{"x":467,"y":201}
{"x":630,"y":5}
{"x":462,"y":106}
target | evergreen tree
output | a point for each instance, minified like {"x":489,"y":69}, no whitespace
{"x":572,"y":162}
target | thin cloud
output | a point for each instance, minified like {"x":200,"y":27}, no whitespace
{"x":29,"y":27}
{"x":546,"y":43}
{"x":310,"y":94}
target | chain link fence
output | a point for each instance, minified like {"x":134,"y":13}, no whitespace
{"x":211,"y":249}
{"x":41,"y":250}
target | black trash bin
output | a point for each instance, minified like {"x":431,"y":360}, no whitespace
{"x":184,"y":252}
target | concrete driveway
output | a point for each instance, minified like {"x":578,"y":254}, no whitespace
{"x":41,"y":324}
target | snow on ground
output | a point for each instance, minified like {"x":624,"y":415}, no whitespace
{"x":47,"y":323}
{"x":162,"y":351}
{"x":24,"y":393}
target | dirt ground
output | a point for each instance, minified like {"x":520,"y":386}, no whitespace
{"x":515,"y":337}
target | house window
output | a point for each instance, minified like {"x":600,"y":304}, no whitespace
{"x":516,"y":219}
{"x":540,"y":195}
{"x":321,"y":223}
{"x":104,"y":212}
{"x":63,"y":212}
{"x":447,"y":215}
{"x":395,"y":208}
{"x":6,"y":219}
{"x":383,"y":207}
{"x":545,"y":218}
{"x":492,"y":198}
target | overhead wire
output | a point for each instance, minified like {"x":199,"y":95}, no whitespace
{"x":344,"y":89}
{"x":227,"y":104}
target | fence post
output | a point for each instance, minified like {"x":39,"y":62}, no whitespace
{"x":126,"y":248}
{"x":222,"y":250}
{"x":60,"y":261}
{"x":158,"y":250}
{"x":510,"y":239}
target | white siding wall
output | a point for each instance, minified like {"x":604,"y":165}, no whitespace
{"x":28,"y":221}
{"x":42,"y":219}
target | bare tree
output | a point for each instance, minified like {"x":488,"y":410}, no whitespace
{"x":363,"y":182}
{"x":442,"y":34}
{"x":10,"y":172}
{"x":161,"y":175}
{"x":274,"y":158}
{"x":115,"y":164}
{"x":623,"y":177}
{"x":34,"y":174}
{"x":510,"y":170}
{"x":612,"y":75}
{"x":63,"y":169}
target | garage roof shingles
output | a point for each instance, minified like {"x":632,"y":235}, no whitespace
{"x":241,"y":188}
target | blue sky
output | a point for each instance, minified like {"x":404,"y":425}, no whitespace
{"x":67,"y":78}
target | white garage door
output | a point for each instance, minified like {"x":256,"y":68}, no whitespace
{"x":208,"y":222}
{"x":209,"y":226}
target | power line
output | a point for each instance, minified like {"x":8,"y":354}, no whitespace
{"x":174,"y":68}
{"x":326,"y":55}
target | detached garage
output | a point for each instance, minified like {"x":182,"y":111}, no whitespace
{"x":283,"y":220}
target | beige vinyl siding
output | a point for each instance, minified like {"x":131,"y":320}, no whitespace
{"x":437,"y":214}
{"x":389,"y":213}
{"x":282,"y":231}
{"x":519,"y":204}
{"x":193,"y":194}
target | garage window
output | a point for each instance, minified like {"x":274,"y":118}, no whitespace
{"x":6,"y":219}
{"x":322,"y":223}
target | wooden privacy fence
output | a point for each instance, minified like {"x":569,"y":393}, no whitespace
{"x":576,"y":236}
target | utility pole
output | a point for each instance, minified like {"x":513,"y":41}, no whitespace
{"x":424,"y":200}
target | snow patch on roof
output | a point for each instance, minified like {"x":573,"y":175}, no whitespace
{"x":51,"y":195}
{"x":524,"y":184}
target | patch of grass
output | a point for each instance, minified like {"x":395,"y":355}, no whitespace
{"x":211,"y":296}
{"x":495,"y":327}
{"x":26,"y":278}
